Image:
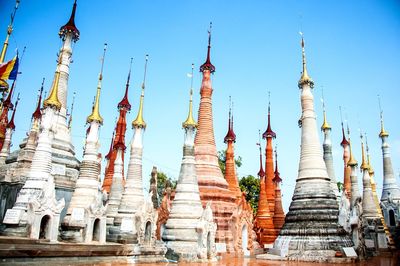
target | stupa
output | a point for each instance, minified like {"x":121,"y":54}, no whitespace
{"x":190,"y":230}
{"x":213,"y":187}
{"x":279,"y":215}
{"x":242,"y":218}
{"x":36,"y":212}
{"x":327,"y":147}
{"x":64,"y":166}
{"x":85,"y":220}
{"x":263,"y":223}
{"x":390,"y":199}
{"x":311,"y":231}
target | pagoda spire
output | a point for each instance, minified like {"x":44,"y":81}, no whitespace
{"x":190,"y":122}
{"x":269,"y":162}
{"x":305,"y":78}
{"x":230,"y":169}
{"x":11,"y":123}
{"x":52,"y":99}
{"x":279,"y":215}
{"x":139,"y":122}
{"x":70,"y":27}
{"x":347,"y":169}
{"x":391,"y":190}
{"x":119,"y":141}
{"x":9,"y":32}
{"x":37,"y":114}
{"x":314,"y":208}
{"x":124,"y":103}
{"x":95,"y":115}
{"x":263,"y":223}
{"x":327,"y":148}
{"x":207,"y":65}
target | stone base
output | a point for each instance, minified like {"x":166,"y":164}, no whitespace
{"x":20,"y":251}
{"x":114,"y":234}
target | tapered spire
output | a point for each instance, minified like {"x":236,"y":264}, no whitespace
{"x":70,"y":27}
{"x":364,"y":164}
{"x":230,"y":136}
{"x":11,"y":124}
{"x":190,"y":122}
{"x":325,"y":124}
{"x":305,"y":78}
{"x":269,"y":133}
{"x":9,"y":32}
{"x":352,"y":161}
{"x":277,"y":178}
{"x":261,"y":173}
{"x":95,"y":115}
{"x":124,"y":103}
{"x":139,"y":122}
{"x":37,"y":114}
{"x":383,"y":132}
{"x":207,"y":65}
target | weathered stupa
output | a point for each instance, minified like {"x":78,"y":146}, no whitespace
{"x":263,"y":224}
{"x":269,"y":164}
{"x":390,"y":199}
{"x":119,"y":139}
{"x":311,"y":231}
{"x":242,"y":218}
{"x":85,"y":220}
{"x":186,"y":233}
{"x":347,"y":169}
{"x":327,"y":147}
{"x":64,"y":166}
{"x":279,"y":215}
{"x":213,"y":187}
{"x":36,"y":212}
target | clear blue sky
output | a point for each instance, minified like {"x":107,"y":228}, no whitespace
{"x":353,"y":51}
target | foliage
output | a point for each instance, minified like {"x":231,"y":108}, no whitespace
{"x":251,"y":186}
{"x":340,"y":186}
{"x":222,"y":160}
{"x":162,"y":180}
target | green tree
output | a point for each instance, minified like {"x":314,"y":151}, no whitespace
{"x":222,"y":160}
{"x":340,"y":186}
{"x":251,"y":186}
{"x":162,"y":180}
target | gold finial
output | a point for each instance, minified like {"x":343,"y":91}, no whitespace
{"x":9,"y":31}
{"x":139,"y":122}
{"x":305,"y":78}
{"x":325,"y":125}
{"x":95,"y":115}
{"x":383,"y":132}
{"x":352,"y":161}
{"x":190,"y":122}
{"x":364,"y":164}
{"x":52,"y":100}
{"x":370,"y":169}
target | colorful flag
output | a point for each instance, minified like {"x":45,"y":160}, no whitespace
{"x":9,"y":70}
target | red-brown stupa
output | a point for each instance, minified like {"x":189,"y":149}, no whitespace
{"x":212,"y":185}
{"x":263,"y":224}
{"x":118,"y":140}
